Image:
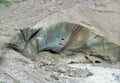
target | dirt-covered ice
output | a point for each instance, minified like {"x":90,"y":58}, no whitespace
{"x":15,"y":68}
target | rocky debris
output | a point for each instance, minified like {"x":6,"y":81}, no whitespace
{"x":68,"y":71}
{"x":117,"y":76}
{"x":17,"y":68}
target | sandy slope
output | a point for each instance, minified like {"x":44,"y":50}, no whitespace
{"x":18,"y":69}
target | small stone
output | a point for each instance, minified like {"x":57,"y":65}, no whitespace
{"x":54,"y":77}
